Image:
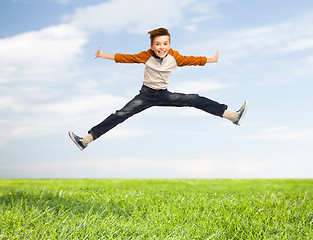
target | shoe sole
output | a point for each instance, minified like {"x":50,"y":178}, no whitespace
{"x":243,"y":114}
{"x":71,"y":134}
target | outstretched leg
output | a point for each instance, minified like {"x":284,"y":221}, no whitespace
{"x":139,"y":103}
{"x":192,"y":100}
{"x":136,"y":105}
{"x":168,"y":98}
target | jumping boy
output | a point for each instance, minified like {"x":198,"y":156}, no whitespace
{"x":159,"y":62}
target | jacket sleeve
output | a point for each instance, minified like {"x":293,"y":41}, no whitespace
{"x":133,"y":58}
{"x":188,"y":60}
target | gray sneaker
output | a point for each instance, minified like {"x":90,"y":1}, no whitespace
{"x":241,"y":113}
{"x":77,"y":140}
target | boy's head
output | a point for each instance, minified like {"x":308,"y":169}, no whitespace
{"x":160,"y":42}
{"x":158,"y":32}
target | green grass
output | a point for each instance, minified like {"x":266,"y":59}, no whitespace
{"x":156,"y":209}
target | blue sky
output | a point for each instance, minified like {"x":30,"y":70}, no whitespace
{"x":50,"y":83}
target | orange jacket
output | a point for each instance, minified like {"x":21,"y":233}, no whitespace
{"x":157,"y":72}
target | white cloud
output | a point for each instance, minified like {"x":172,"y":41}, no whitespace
{"x":115,"y":16}
{"x":280,"y":52}
{"x":290,"y":36}
{"x":38,"y":55}
{"x":79,"y":105}
{"x":139,"y":16}
{"x":18,"y":101}
{"x":42,"y":118}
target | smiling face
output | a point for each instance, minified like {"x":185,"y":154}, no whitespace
{"x":161,"y":45}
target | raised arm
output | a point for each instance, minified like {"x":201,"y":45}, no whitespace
{"x":213,"y":60}
{"x":100,"y":54}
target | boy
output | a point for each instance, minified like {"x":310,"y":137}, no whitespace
{"x":159,"y":62}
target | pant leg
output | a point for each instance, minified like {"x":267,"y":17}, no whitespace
{"x":191,"y":100}
{"x":136,"y":105}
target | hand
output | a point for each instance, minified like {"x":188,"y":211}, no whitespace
{"x":99,"y":53}
{"x":214,"y":59}
{"x":216,"y":56}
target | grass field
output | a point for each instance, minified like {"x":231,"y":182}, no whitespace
{"x":156,"y":209}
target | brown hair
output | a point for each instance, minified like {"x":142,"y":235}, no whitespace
{"x":158,"y":32}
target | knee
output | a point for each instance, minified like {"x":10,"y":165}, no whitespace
{"x":130,"y":108}
{"x":120,"y":113}
{"x":193,"y":98}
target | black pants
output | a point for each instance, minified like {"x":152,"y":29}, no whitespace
{"x":149,"y":97}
